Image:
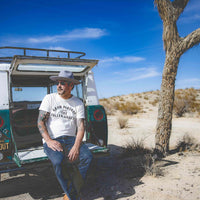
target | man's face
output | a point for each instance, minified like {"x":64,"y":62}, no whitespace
{"x":64,"y":88}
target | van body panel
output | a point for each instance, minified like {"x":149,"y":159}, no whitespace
{"x":4,"y":90}
{"x":97,"y":130}
{"x":92,"y":96}
{"x":5,"y":137}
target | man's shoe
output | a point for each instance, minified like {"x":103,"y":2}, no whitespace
{"x":65,"y":197}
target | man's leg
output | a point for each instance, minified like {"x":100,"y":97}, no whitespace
{"x":56,"y":158}
{"x":85,"y":157}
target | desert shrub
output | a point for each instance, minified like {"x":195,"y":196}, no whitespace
{"x":154,"y":102}
{"x":181,"y":106}
{"x":129,"y":108}
{"x":187,"y":143}
{"x":143,"y":155}
{"x":123,"y":122}
{"x":146,"y":97}
{"x":107,"y":106}
{"x":135,"y":148}
{"x":185,"y":101}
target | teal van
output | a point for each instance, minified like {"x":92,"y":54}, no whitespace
{"x":24,"y":81}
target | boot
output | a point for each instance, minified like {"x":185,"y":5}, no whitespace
{"x":65,"y":197}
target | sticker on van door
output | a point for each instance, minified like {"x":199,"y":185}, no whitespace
{"x":5,"y":136}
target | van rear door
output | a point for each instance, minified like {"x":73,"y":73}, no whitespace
{"x":48,"y":66}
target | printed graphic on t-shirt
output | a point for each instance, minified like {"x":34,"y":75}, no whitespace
{"x":65,"y":112}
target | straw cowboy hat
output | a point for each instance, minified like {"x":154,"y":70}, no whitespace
{"x":65,"y":76}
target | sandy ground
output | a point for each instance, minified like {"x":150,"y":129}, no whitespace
{"x":142,"y":127}
{"x":119,"y":177}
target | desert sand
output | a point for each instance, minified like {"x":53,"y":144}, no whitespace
{"x":117,"y":176}
{"x":121,"y":177}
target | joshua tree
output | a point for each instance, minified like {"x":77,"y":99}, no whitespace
{"x":174,"y":46}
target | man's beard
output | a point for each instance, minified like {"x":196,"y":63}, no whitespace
{"x":61,"y":91}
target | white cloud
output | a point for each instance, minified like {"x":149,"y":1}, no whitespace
{"x":126,"y":59}
{"x":137,"y":74}
{"x":59,"y":48}
{"x":184,"y":83}
{"x":85,"y":33}
{"x":145,"y":73}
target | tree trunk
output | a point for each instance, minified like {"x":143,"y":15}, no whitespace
{"x":164,"y":120}
{"x":174,"y":48}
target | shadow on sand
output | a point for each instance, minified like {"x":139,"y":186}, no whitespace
{"x":37,"y":185}
{"x":111,"y":177}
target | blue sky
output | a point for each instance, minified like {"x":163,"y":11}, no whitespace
{"x":124,"y":35}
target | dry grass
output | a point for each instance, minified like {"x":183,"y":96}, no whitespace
{"x":107,"y":104}
{"x":186,"y":101}
{"x":128,"y":108}
{"x":154,"y":102}
{"x":181,"y":106}
{"x":187,"y":143}
{"x":145,"y":161}
{"x":123,"y":122}
{"x":136,"y":148}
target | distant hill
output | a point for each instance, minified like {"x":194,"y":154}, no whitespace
{"x":144,"y":102}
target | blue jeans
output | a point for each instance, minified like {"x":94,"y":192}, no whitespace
{"x":56,"y":157}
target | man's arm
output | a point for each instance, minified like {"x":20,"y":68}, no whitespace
{"x":74,"y":152}
{"x":53,"y":144}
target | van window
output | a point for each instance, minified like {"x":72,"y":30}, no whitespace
{"x":49,"y":67}
{"x":28,"y":93}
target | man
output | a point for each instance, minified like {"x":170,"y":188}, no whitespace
{"x":61,"y":124}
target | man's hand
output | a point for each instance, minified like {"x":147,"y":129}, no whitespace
{"x":54,"y":145}
{"x":73,"y":153}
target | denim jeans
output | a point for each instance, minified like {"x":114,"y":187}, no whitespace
{"x":56,"y":157}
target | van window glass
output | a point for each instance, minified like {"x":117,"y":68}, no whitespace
{"x":28,"y":93}
{"x":51,"y":68}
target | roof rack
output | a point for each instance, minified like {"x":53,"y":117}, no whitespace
{"x":9,"y":59}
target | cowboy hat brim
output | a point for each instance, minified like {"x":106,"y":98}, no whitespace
{"x":60,"y":78}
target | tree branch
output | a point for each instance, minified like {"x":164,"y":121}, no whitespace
{"x":179,"y":5}
{"x":170,"y":10}
{"x":190,"y":40}
{"x":163,"y":6}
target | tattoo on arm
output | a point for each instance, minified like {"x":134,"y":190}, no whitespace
{"x":80,"y":124}
{"x":42,"y":118}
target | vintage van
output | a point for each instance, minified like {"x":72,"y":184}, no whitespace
{"x":24,"y":81}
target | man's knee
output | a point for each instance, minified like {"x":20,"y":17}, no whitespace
{"x":56,"y":162}
{"x":56,"y":159}
{"x":86,"y":156}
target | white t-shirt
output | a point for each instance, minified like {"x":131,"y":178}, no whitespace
{"x":63,"y":114}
